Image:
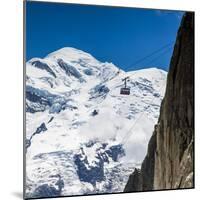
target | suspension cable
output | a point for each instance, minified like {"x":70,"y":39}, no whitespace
{"x":150,"y":55}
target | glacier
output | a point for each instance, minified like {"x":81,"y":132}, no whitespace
{"x":82,"y":136}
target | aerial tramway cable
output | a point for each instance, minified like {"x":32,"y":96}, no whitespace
{"x":167,"y":49}
{"x":157,"y":58}
{"x":150,"y":55}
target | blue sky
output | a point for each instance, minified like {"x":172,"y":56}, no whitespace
{"x":119,"y":35}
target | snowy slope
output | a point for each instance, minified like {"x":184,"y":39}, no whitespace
{"x":82,"y":136}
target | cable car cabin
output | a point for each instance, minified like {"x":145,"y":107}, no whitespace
{"x":125,"y":91}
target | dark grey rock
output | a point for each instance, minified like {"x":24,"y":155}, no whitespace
{"x":169,"y":160}
{"x":134,"y":182}
{"x":44,"y":66}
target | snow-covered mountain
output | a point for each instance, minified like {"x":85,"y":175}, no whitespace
{"x":82,"y":136}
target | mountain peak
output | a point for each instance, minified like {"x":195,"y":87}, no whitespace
{"x":70,"y":54}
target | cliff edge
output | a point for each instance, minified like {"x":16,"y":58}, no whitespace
{"x":169,"y":160}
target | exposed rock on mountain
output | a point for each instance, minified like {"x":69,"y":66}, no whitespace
{"x":169,"y":160}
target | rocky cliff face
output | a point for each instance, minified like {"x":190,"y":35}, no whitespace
{"x":169,"y":160}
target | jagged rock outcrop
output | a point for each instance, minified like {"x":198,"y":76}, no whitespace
{"x":134,"y":182}
{"x":169,"y":160}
